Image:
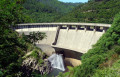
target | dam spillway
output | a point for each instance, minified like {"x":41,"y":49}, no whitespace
{"x":73,"y":36}
{"x":77,"y":40}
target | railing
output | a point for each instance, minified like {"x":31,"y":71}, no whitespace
{"x":76,"y":24}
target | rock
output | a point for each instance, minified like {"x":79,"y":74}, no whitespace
{"x":31,"y":64}
{"x":72,"y":62}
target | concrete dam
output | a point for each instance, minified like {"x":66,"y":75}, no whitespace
{"x":73,"y":36}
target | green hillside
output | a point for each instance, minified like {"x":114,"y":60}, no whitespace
{"x":47,"y":10}
{"x":98,"y":11}
{"x":60,"y":6}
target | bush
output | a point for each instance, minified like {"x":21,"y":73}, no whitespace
{"x":35,"y":36}
{"x":109,"y":71}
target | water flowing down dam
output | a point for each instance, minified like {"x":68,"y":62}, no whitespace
{"x":57,"y":61}
{"x":77,"y":40}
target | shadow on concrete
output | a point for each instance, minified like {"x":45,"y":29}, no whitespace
{"x":68,"y":53}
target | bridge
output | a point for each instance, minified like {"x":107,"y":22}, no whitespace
{"x":73,"y":36}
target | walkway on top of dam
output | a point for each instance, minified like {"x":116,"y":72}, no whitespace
{"x":87,"y":24}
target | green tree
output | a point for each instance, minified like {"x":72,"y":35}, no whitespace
{"x":10,"y":46}
{"x":35,"y":36}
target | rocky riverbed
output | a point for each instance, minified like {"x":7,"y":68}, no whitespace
{"x":30,"y":65}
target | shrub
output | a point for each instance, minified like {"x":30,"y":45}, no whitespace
{"x":34,"y":37}
{"x":109,"y":71}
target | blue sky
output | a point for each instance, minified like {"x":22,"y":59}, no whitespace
{"x":73,"y":0}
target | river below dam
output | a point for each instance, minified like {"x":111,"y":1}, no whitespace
{"x":67,"y":62}
{"x":60,"y":59}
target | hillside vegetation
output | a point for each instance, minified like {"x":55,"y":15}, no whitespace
{"x":59,"y":6}
{"x":97,"y":11}
{"x":47,"y":10}
{"x":13,"y":47}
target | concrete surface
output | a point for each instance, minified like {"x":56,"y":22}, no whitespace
{"x":47,"y":49}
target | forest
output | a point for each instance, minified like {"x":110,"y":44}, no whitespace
{"x":47,"y":10}
{"x":103,"y":60}
{"x":13,"y":47}
{"x":95,"y":11}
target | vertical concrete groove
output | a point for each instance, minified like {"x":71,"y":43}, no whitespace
{"x":57,"y":33}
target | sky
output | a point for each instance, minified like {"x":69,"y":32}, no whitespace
{"x":74,"y":1}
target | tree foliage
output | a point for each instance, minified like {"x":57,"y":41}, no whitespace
{"x":11,"y":12}
{"x":11,"y":48}
{"x":47,"y":10}
{"x":98,"y":11}
{"x":35,"y":36}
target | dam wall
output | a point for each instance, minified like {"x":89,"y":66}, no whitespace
{"x":79,"y":40}
{"x":49,"y":30}
{"x":78,"y":37}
